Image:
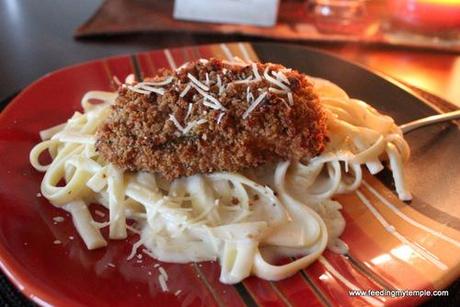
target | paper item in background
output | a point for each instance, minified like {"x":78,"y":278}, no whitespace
{"x":254,"y":12}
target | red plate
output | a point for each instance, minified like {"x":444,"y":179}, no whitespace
{"x":68,"y":274}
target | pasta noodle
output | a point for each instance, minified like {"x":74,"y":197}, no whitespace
{"x":238,"y":219}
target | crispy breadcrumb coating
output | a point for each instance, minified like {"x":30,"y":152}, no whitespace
{"x":181,"y":136}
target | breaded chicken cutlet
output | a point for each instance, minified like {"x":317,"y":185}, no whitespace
{"x":213,"y":116}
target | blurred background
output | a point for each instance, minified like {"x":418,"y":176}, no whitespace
{"x":416,"y":41}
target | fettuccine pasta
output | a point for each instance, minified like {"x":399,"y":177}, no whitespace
{"x":239,"y":219}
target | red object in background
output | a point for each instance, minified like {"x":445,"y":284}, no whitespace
{"x":340,"y":16}
{"x":427,"y":15}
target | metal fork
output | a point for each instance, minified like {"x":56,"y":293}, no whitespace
{"x":430,"y":120}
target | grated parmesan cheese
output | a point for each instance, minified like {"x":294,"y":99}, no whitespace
{"x":159,"y":83}
{"x":276,"y":91}
{"x":196,"y":82}
{"x":163,"y":285}
{"x":254,"y":104}
{"x":219,"y":118}
{"x":255,"y":71}
{"x":138,"y":90}
{"x":249,"y":96}
{"x":163,"y":272}
{"x":177,"y":292}
{"x":280,"y":76}
{"x":247,"y":80}
{"x":275,"y":81}
{"x":132,"y":229}
{"x":99,"y":213}
{"x":134,"y":249}
{"x":209,"y":97}
{"x":290,"y":98}
{"x":219,"y":85}
{"x":235,"y":63}
{"x":185,"y":91}
{"x":58,"y":219}
{"x":57,"y":242}
{"x":143,"y":86}
{"x":193,"y":124}
{"x":182,"y":66}
{"x":176,"y":123}
{"x":189,"y":111}
{"x":207,"y":79}
{"x":209,"y":104}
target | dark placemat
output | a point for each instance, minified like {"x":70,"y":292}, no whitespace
{"x":295,"y":23}
{"x":11,"y":296}
{"x":439,"y":102}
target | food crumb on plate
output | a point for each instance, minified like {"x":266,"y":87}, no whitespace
{"x":99,"y":213}
{"x":162,"y":281}
{"x":58,"y":219}
{"x":163,"y":272}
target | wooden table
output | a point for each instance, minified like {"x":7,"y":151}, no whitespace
{"x":37,"y":38}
